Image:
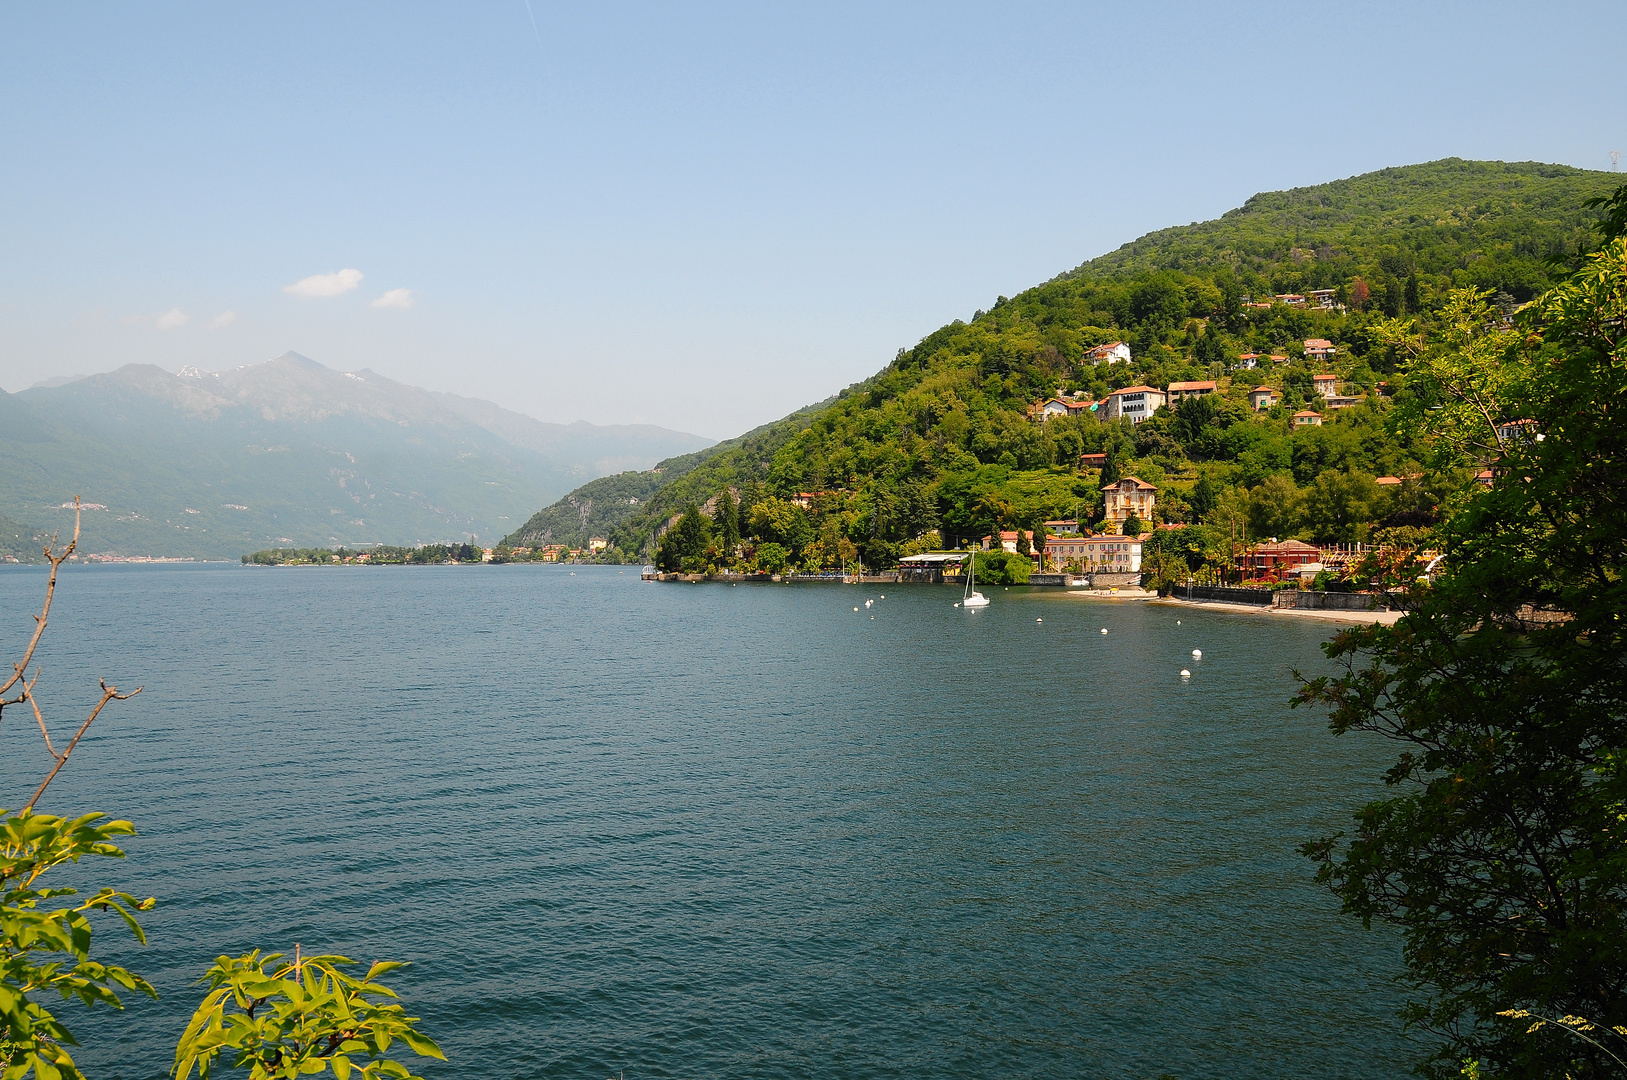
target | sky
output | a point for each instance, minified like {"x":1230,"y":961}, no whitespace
{"x":702,"y":217}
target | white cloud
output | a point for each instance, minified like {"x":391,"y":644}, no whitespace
{"x":224,"y":319}
{"x":318,"y":285}
{"x":396,"y":298}
{"x":172,"y":319}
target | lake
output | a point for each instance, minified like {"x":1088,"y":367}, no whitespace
{"x":722,"y":831}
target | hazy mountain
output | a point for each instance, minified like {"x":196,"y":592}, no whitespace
{"x":288,"y":451}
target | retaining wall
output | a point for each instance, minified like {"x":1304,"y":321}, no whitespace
{"x":1328,"y":601}
{"x":1224,"y":594}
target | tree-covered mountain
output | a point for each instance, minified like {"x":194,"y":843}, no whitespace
{"x":942,"y":438}
{"x":288,"y":451}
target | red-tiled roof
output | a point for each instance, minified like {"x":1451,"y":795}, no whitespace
{"x":1262,"y":389}
{"x":1136,"y":390}
{"x":1141,"y":485}
{"x":1174,"y":386}
{"x":1318,"y":343}
{"x":1306,"y":412}
{"x":1284,"y":547}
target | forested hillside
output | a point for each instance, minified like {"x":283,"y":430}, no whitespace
{"x":941,"y":442}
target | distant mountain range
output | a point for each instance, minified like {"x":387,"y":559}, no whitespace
{"x":212,"y":465}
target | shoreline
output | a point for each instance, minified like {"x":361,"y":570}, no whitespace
{"x":1386,"y":618}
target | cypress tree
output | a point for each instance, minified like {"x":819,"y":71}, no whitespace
{"x":726,"y":522}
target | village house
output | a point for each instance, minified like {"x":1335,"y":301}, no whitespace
{"x":1135,"y":402}
{"x":1291,"y":299}
{"x":1325,"y":385}
{"x":1387,"y":481}
{"x":1261,"y":397}
{"x":1114,"y":352}
{"x":1275,"y":359}
{"x":1517,"y":431}
{"x":1180,"y":391}
{"x":1008,"y":539}
{"x":1322,"y":297}
{"x":1319,"y":349}
{"x":1248,"y":361}
{"x":1092,"y":461}
{"x":597,"y":544}
{"x":1307,"y":418}
{"x":1105,"y":555}
{"x":1060,"y":406}
{"x":1277,"y":560}
{"x":1062,"y":525}
{"x":1097,"y":554}
{"x":1126,"y":497}
{"x":1343,"y":401}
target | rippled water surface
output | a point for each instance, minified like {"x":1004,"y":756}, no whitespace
{"x":714,"y":831}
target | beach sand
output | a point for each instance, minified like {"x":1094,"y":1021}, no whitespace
{"x":1388,"y":618}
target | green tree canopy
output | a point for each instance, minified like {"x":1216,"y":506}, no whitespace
{"x":1500,"y":849}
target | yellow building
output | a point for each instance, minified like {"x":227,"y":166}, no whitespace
{"x":1125,"y":497}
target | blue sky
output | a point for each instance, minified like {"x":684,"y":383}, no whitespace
{"x":702,"y":217}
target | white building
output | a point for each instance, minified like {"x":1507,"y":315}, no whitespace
{"x":1114,"y":352}
{"x":1135,"y":402}
{"x":1059,"y":406}
{"x":1125,"y":497}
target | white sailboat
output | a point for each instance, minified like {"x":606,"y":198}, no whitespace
{"x":973,"y":598}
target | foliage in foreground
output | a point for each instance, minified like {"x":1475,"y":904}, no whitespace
{"x":1501,"y":851}
{"x":284,"y":1018}
{"x":45,"y":949}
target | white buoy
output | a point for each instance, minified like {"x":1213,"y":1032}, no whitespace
{"x":884,"y":596}
{"x":1177,"y":622}
{"x":1185,"y":674}
{"x":1039,"y":620}
{"x":855,"y":609}
{"x":1197,"y":654}
{"x":957,"y":603}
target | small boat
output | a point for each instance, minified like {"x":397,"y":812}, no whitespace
{"x":973,"y":598}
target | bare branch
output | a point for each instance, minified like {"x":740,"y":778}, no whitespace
{"x":19,"y":674}
{"x":56,"y":562}
{"x":109,"y":693}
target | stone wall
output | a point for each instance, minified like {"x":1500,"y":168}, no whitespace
{"x":1326,"y":601}
{"x":1224,"y":594}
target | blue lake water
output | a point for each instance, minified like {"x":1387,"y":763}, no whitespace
{"x":713,"y":831}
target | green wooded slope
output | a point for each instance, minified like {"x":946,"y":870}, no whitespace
{"x":940,"y":438}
